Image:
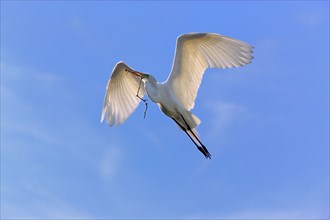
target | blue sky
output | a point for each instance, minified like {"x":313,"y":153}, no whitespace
{"x":266,"y":124}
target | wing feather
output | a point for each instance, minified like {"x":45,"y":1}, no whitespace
{"x":197,"y":51}
{"x":120,"y":98}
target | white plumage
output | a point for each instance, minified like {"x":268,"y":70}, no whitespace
{"x":120,"y":98}
{"x":195,"y":52}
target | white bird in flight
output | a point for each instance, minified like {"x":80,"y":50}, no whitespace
{"x":195,"y":52}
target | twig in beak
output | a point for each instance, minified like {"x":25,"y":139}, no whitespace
{"x":140,"y":75}
{"x":144,"y":100}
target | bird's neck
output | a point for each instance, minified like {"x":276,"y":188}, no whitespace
{"x":152,"y":90}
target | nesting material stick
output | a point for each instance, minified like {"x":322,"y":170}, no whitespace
{"x":144,"y":100}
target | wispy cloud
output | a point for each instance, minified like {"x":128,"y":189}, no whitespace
{"x":28,"y":133}
{"x":302,"y":213}
{"x":153,"y":138}
{"x":42,"y":204}
{"x":79,"y":27}
{"x":18,"y":114}
{"x":110,"y":162}
{"x":223,"y":115}
{"x":313,"y":17}
{"x":28,"y":75}
{"x":310,"y":211}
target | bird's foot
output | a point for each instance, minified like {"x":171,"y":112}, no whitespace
{"x":204,"y":152}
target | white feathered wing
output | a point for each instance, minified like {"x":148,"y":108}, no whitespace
{"x":197,"y":51}
{"x":120,"y":99}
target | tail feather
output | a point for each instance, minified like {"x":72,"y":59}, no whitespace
{"x":192,"y":120}
{"x":196,"y":120}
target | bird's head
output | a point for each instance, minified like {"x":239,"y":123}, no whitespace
{"x":139,"y":74}
{"x":147,"y":78}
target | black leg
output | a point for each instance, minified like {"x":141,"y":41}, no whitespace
{"x":207,"y":154}
{"x":202,"y":150}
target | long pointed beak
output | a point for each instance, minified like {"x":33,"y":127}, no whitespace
{"x":135,"y":72}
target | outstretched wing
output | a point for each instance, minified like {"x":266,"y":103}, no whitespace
{"x":120,"y":98}
{"x":197,"y":51}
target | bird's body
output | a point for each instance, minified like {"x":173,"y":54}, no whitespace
{"x":176,"y":96}
{"x":168,"y":102}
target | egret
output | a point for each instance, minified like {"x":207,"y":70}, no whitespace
{"x":195,"y":52}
